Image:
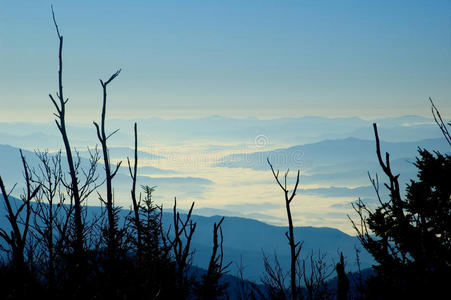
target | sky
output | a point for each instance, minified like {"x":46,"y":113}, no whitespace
{"x":234,"y":58}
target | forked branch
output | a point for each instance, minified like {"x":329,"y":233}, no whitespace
{"x":295,"y":247}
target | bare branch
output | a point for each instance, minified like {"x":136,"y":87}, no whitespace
{"x":111,"y":134}
{"x":56,"y":24}
{"x":438,"y":119}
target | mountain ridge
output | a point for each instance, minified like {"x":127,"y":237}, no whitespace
{"x":248,"y":240}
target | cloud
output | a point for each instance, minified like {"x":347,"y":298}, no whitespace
{"x":340,"y":191}
{"x":252,"y":206}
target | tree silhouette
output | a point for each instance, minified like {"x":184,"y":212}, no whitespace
{"x":342,"y":280}
{"x":20,"y":225}
{"x":315,"y":277}
{"x":210,"y":288}
{"x":112,"y":230}
{"x":51,"y":216}
{"x":180,"y":246}
{"x":409,"y":237}
{"x":295,"y":247}
{"x":135,"y":220}
{"x":60,"y":107}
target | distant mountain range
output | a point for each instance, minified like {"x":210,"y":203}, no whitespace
{"x":11,"y":171}
{"x":338,"y":162}
{"x":287,"y":131}
{"x":330,"y":152}
{"x":247,"y":240}
{"x":298,"y":130}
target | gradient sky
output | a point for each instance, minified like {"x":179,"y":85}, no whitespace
{"x":234,"y":58}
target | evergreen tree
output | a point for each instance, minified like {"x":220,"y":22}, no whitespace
{"x":409,"y":236}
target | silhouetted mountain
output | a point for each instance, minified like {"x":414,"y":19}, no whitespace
{"x":245,"y":240}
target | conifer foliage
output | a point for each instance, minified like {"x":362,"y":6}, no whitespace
{"x":409,"y":236}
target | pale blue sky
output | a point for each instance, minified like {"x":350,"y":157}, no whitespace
{"x":234,"y":58}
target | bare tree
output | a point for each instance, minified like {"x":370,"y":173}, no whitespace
{"x":51,"y":215}
{"x":82,"y":181}
{"x":274,"y":278}
{"x":60,"y":107}
{"x":20,"y":225}
{"x":210,"y":287}
{"x":77,"y":191}
{"x":112,"y":231}
{"x":180,"y":244}
{"x":314,"y":272}
{"x":246,"y":289}
{"x":216,"y":259}
{"x":135,"y":220}
{"x":295,"y":247}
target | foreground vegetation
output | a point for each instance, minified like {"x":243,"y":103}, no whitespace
{"x":56,"y":248}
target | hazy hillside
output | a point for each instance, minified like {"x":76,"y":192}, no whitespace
{"x":124,"y":152}
{"x":245,"y":240}
{"x":11,"y":171}
{"x":340,"y":162}
{"x":248,"y":239}
{"x":327,"y":153}
{"x":219,"y":129}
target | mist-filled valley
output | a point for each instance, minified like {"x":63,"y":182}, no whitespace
{"x":220,"y":163}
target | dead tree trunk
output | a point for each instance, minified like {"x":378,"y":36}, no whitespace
{"x":109,"y":175}
{"x":216,"y":260}
{"x":61,"y":124}
{"x":211,"y":288}
{"x":135,"y":203}
{"x":295,"y":247}
{"x":183,"y":230}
